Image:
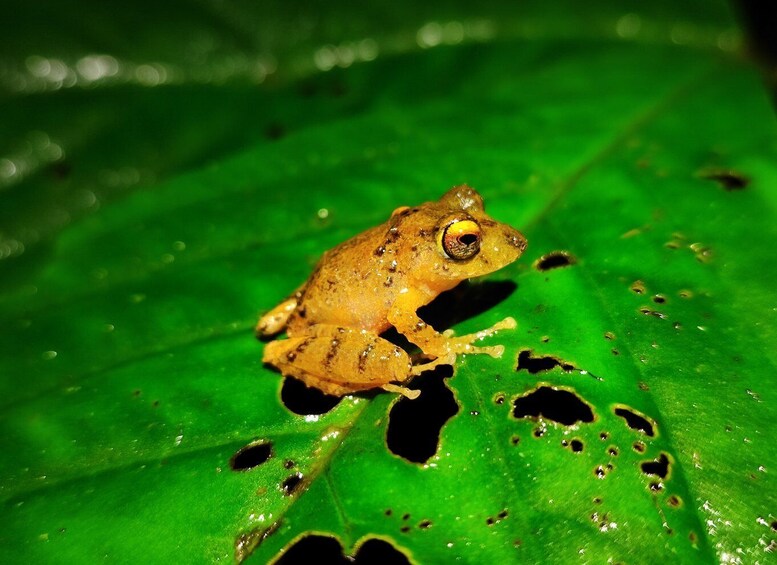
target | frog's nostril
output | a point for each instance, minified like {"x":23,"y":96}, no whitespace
{"x":517,"y":240}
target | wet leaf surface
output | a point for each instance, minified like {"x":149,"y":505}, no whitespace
{"x":156,"y":194}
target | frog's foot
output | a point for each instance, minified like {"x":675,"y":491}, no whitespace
{"x":447,"y":359}
{"x":463,"y":344}
{"x":410,"y":393}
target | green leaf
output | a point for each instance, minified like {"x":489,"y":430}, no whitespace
{"x":157,"y":193}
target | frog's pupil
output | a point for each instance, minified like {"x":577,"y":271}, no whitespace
{"x":468,"y":239}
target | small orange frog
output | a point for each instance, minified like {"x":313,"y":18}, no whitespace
{"x":379,"y":279}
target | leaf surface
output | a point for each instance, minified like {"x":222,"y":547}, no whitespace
{"x":152,"y":213}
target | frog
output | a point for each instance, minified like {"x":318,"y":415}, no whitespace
{"x":379,"y":279}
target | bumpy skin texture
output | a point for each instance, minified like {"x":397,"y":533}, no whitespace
{"x":379,"y":279}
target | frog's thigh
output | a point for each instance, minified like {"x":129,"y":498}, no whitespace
{"x":340,"y":360}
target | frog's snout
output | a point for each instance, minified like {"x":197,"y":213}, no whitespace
{"x":516,"y":239}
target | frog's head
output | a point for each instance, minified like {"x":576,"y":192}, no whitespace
{"x":470,"y":242}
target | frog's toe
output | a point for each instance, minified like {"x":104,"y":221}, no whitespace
{"x":495,"y":351}
{"x":410,"y":393}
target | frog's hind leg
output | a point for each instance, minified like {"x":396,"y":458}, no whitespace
{"x":340,"y":360}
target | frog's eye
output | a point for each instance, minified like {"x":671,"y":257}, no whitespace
{"x":460,"y":240}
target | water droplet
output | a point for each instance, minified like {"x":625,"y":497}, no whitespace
{"x":429,"y":35}
{"x":628,"y":26}
{"x":367,"y":49}
{"x":7,"y":168}
{"x":325,"y":58}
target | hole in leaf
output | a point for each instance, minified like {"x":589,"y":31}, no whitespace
{"x":560,"y":406}
{"x":250,"y":456}
{"x":658,"y":467}
{"x":727,"y":179}
{"x":491,"y":520}
{"x":674,"y":501}
{"x":376,"y":550}
{"x":555,"y":260}
{"x":648,"y":312}
{"x":600,"y":471}
{"x":304,"y":400}
{"x":636,"y":421}
{"x":639,"y":447}
{"x":326,"y":549}
{"x":540,"y":363}
{"x":425,"y":524}
{"x":414,"y":425}
{"x":602,"y":521}
{"x":291,"y":484}
{"x":577,"y":445}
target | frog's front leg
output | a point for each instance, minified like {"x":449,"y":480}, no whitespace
{"x":444,"y":346}
{"x":339,"y":360}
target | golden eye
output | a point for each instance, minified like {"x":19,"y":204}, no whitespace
{"x":460,"y":239}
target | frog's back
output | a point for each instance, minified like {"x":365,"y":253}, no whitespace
{"x":352,"y":286}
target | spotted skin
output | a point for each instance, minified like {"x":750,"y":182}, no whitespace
{"x":378,"y":279}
